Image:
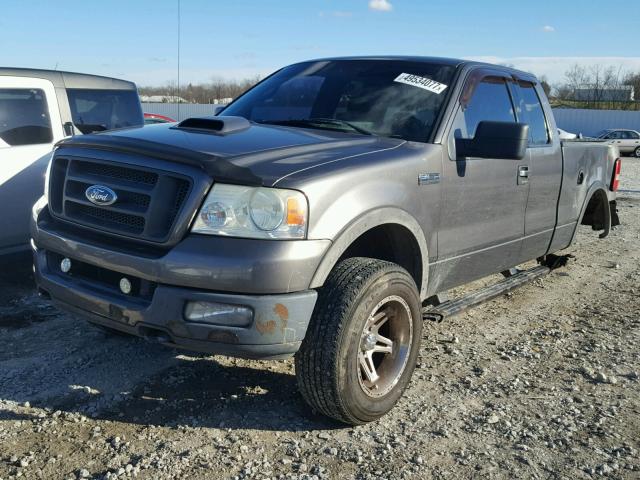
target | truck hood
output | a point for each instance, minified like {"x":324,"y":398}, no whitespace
{"x":257,"y":155}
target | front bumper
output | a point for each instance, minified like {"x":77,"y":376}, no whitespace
{"x":273,"y":279}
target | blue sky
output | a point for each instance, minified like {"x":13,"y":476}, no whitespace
{"x":137,"y":39}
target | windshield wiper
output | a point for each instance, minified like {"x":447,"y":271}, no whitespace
{"x":315,"y":122}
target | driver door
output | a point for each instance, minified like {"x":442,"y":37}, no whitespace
{"x":482,"y":222}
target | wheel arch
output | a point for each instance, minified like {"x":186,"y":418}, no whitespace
{"x":595,"y":210}
{"x":402,"y":231}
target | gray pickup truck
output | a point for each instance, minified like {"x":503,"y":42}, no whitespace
{"x":317,"y":215}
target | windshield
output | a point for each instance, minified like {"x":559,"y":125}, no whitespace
{"x":393,"y":98}
{"x":99,"y":110}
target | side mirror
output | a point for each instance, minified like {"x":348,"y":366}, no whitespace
{"x":218,"y":108}
{"x":68,"y":129}
{"x":503,"y":140}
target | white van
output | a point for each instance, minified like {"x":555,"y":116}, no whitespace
{"x":37,"y":109}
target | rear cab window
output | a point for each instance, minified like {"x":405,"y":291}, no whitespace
{"x":24,"y":117}
{"x":94,"y":110}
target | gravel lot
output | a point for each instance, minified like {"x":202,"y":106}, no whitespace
{"x":540,"y":383}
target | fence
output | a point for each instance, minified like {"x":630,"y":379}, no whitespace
{"x":575,"y":120}
{"x":179,"y":111}
{"x":590,"y":122}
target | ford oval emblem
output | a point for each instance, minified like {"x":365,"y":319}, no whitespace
{"x":101,"y":195}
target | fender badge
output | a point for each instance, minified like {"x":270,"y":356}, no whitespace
{"x":428,"y":178}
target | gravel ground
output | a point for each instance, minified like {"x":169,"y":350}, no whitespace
{"x":540,"y":383}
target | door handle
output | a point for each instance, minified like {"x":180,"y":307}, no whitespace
{"x":523,"y":174}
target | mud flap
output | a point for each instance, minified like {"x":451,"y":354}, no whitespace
{"x":555,"y":261}
{"x":613,"y":207}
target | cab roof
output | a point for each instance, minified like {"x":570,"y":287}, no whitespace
{"x":62,"y":79}
{"x":453,"y":62}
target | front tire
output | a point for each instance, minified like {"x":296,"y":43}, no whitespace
{"x":363,"y":341}
{"x":636,"y":152}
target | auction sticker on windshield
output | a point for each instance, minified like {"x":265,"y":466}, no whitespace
{"x":421,"y":82}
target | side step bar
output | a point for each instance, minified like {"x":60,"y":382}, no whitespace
{"x":453,"y":307}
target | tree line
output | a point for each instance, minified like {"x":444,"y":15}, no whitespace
{"x":213,"y":91}
{"x":597,"y":86}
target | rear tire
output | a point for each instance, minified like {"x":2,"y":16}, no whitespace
{"x":636,"y":152}
{"x":363,"y":341}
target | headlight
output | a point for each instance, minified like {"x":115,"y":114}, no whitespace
{"x":252,"y":212}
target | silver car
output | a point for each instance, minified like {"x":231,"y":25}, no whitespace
{"x":627,"y":141}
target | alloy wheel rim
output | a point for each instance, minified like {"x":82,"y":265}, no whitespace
{"x":385,"y":346}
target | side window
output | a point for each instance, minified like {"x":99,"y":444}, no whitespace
{"x":530,"y":111}
{"x":490,"y":101}
{"x":633,"y":135}
{"x":629,"y":135}
{"x":24,"y":117}
{"x":614,"y":135}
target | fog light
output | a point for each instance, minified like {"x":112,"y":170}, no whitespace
{"x":125,"y":285}
{"x":65,"y":265}
{"x":218,"y":314}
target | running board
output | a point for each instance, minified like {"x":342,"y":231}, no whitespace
{"x":453,"y":307}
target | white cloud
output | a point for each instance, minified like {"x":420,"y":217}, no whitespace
{"x":380,"y":5}
{"x":548,"y":28}
{"x":554,"y":68}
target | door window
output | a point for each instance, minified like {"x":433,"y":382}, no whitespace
{"x":24,"y":117}
{"x":530,"y":112}
{"x":629,"y":135}
{"x":490,"y":101}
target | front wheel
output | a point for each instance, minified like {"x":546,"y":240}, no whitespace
{"x":636,"y":152}
{"x":363,"y":341}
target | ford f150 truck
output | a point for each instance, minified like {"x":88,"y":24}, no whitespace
{"x":317,"y":214}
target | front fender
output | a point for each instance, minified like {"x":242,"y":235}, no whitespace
{"x":364,"y":223}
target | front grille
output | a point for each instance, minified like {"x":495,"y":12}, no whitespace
{"x":148,"y":200}
{"x":116,"y":220}
{"x":101,"y":170}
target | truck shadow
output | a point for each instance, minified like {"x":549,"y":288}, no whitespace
{"x":60,"y":363}
{"x":196,"y":392}
{"x":205,"y":393}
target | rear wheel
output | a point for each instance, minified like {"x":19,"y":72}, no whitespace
{"x":636,"y":152}
{"x":362,"y":343}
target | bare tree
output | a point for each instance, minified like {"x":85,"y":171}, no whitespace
{"x":214,"y":91}
{"x":546,"y":86}
{"x":595,"y":86}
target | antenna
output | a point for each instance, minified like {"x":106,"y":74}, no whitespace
{"x":179,"y":61}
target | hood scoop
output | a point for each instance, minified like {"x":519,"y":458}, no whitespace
{"x":214,"y":125}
